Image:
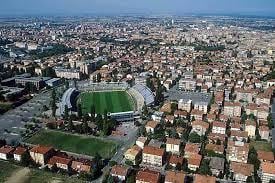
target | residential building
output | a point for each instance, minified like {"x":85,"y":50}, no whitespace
{"x":173,"y":145}
{"x":18,"y":152}
{"x":241,"y":171}
{"x":237,"y":151}
{"x":199,"y":127}
{"x":119,"y":172}
{"x":41,"y":154}
{"x":174,"y":177}
{"x":153,"y":156}
{"x":267,"y":172}
{"x":148,"y":176}
{"x":218,"y":127}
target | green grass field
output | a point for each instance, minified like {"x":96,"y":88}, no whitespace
{"x":261,"y":145}
{"x":112,"y":101}
{"x":74,"y":143}
{"x":6,"y":169}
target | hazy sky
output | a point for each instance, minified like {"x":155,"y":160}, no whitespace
{"x":28,"y":7}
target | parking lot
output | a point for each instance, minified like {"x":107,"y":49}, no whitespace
{"x":12,"y":122}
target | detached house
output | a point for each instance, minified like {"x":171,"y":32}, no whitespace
{"x":153,"y":156}
{"x":119,"y":172}
{"x":267,"y":172}
{"x":63,"y":163}
{"x":241,"y":171}
{"x":151,"y":126}
{"x":232,"y":109}
{"x":6,"y":152}
{"x":148,"y":176}
{"x":218,"y":127}
{"x":19,"y":151}
{"x":41,"y":154}
{"x":199,"y":127}
{"x":173,"y":145}
{"x":237,"y":151}
{"x":174,"y":177}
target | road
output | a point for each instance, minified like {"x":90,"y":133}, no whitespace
{"x":126,"y":143}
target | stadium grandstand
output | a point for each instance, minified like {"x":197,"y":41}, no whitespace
{"x":145,"y":92}
{"x":68,"y":99}
{"x":103,"y":86}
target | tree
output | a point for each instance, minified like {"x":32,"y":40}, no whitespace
{"x":145,"y":110}
{"x":204,"y":168}
{"x":85,"y":126}
{"x":131,"y":179}
{"x":53,"y":103}
{"x":66,"y":113}
{"x":70,"y":124}
{"x":25,"y":159}
{"x":270,"y":122}
{"x":2,"y":142}
{"x":92,"y":112}
{"x":194,"y":138}
{"x":98,"y":77}
{"x":249,"y":179}
{"x":79,"y":111}
{"x":67,"y":84}
{"x":253,"y":159}
{"x":159,"y":95}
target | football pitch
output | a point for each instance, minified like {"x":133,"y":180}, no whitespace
{"x":111,"y":101}
{"x":74,"y":143}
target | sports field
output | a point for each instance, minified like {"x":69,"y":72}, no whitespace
{"x":112,"y":101}
{"x":74,"y":143}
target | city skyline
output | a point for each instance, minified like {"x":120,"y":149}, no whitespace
{"x":120,"y":7}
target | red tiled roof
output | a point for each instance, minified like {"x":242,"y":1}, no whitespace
{"x":268,"y":167}
{"x":6,"y":149}
{"x":174,"y":177}
{"x":60,"y":160}
{"x":173,"y":141}
{"x":119,"y":170}
{"x":148,"y":176}
{"x":153,"y":150}
{"x":41,"y":149}
{"x":204,"y":179}
{"x":264,"y":155}
{"x":20,"y":150}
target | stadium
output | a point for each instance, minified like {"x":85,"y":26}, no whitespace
{"x":118,"y":99}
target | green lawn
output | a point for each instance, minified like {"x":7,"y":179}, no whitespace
{"x":74,"y":143}
{"x":261,"y":145}
{"x":35,"y":175}
{"x":112,"y":101}
{"x":6,"y":169}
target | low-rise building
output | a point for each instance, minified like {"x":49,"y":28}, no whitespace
{"x":237,"y":151}
{"x":173,"y":145}
{"x":153,"y":156}
{"x":6,"y":152}
{"x":18,"y":153}
{"x":199,"y":127}
{"x":241,"y":171}
{"x":204,"y":179}
{"x":216,"y":165}
{"x":148,"y":176}
{"x":119,"y":172}
{"x":267,"y":172}
{"x":41,"y":154}
{"x":174,"y":177}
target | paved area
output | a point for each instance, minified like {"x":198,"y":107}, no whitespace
{"x":13,"y":121}
{"x":175,"y":94}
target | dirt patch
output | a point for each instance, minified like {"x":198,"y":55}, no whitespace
{"x":19,"y":176}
